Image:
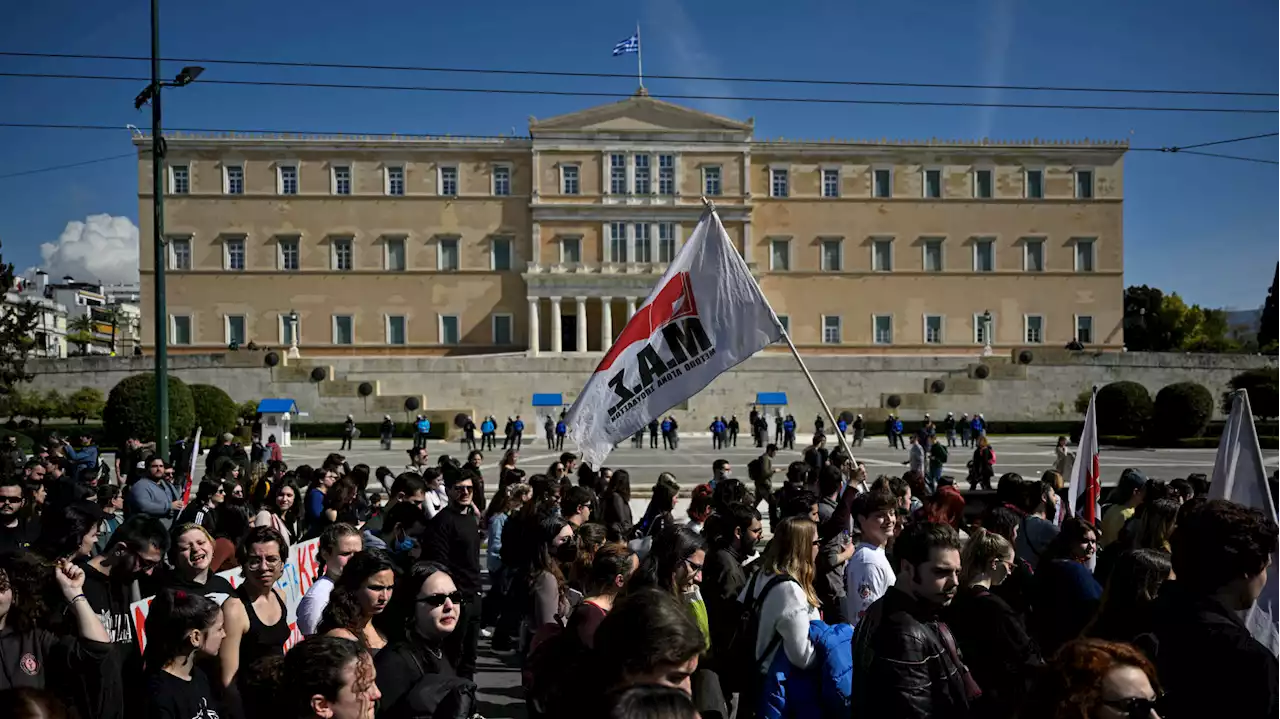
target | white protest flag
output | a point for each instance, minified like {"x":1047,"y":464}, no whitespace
{"x":1239,"y":475}
{"x":705,"y":315}
{"x":1085,"y":471}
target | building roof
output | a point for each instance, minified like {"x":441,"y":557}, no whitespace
{"x":277,"y":406}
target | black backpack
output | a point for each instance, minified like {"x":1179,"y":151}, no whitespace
{"x":739,"y":667}
{"x":755,"y":470}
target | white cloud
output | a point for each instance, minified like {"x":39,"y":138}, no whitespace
{"x":103,"y":248}
{"x":689,"y":55}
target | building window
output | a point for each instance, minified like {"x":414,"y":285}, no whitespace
{"x":617,"y":174}
{"x":666,"y":242}
{"x":395,"y":254}
{"x":643,"y":185}
{"x":1084,"y":184}
{"x":883,"y":183}
{"x":882,"y":326}
{"x":395,"y":181}
{"x":780,"y":255}
{"x":502,"y":329}
{"x":501,"y":254}
{"x":447,"y":255}
{"x":1084,"y":255}
{"x":570,"y":250}
{"x":933,"y":255}
{"x":785,"y":322}
{"x":982,"y":184}
{"x":933,"y":184}
{"x":449,"y":181}
{"x":180,"y":253}
{"x":980,"y":329}
{"x":832,"y":251}
{"x":179,"y":179}
{"x":666,"y":174}
{"x":289,"y":254}
{"x":617,"y":242}
{"x":711,"y":181}
{"x":933,"y":329}
{"x":235,"y":330}
{"x":396,"y":334}
{"x":343,"y":330}
{"x":1084,"y":329}
{"x":831,"y":329}
{"x":235,"y":180}
{"x":984,"y":255}
{"x":1033,"y":254}
{"x":180,"y":331}
{"x":288,"y":179}
{"x":569,"y":180}
{"x":882,"y":255}
{"x":342,"y":180}
{"x":449,"y":329}
{"x":286,"y":330}
{"x":343,"y":255}
{"x":1035,"y":184}
{"x":234,"y":257}
{"x":779,"y":183}
{"x":1035,"y":330}
{"x":501,"y":180}
{"x":644,"y":249}
{"x":831,"y":183}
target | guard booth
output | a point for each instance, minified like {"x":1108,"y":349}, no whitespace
{"x":547,"y":404}
{"x":276,"y":416}
{"x":772,"y":405}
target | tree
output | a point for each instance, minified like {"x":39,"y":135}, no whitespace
{"x":131,"y":409}
{"x":248,"y":412}
{"x":1210,"y":334}
{"x":1156,"y":322}
{"x":17,"y":328}
{"x":1182,"y":410}
{"x":85,"y":403}
{"x":1263,"y":389}
{"x":1082,"y":401}
{"x":216,"y":412}
{"x":1267,"y":330}
{"x":43,"y":406}
{"x":80,"y":333}
{"x":1123,"y":409}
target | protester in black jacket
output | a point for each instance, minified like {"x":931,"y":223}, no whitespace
{"x":1203,"y":651}
{"x":452,"y":539}
{"x":905,"y":664}
{"x":734,"y":534}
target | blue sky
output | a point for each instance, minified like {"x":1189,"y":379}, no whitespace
{"x":1203,"y":227}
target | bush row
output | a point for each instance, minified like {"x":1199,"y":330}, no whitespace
{"x":1264,"y":442}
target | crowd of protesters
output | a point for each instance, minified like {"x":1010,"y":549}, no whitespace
{"x":871,"y":598}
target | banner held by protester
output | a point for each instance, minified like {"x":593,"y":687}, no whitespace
{"x":1240,"y":475}
{"x":706,"y":315}
{"x":1086,"y":473}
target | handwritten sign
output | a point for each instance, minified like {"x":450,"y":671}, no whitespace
{"x":299,"y":573}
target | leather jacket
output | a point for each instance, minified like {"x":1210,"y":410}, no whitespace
{"x":902,"y":668}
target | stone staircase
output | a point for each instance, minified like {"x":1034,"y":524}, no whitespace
{"x":946,"y":392}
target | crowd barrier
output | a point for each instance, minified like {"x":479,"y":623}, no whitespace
{"x":300,"y":571}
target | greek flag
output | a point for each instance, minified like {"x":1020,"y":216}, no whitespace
{"x":631,"y":44}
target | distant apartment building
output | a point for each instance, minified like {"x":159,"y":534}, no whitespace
{"x":404,"y":245}
{"x":98,"y":319}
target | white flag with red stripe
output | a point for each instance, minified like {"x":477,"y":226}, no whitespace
{"x":705,"y":315}
{"x":1240,"y":475}
{"x":1085,"y":473}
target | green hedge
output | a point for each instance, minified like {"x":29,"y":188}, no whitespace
{"x":216,"y":412}
{"x":131,"y":409}
{"x":1123,"y":408}
{"x":1264,"y":442}
{"x":1182,"y":410}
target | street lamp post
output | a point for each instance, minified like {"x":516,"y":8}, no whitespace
{"x":986,"y":333}
{"x":152,"y":94}
{"x":293,"y":335}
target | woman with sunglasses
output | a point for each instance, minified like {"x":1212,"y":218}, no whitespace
{"x":989,"y":633}
{"x":1099,"y":680}
{"x":257,"y":620}
{"x":424,"y":611}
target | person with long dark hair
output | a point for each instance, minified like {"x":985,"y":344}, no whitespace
{"x":657,"y":516}
{"x":504,"y":505}
{"x":111,"y":502}
{"x":181,"y":628}
{"x":209,"y":494}
{"x":1065,"y":595}
{"x":548,"y":587}
{"x":675,"y":565}
{"x":282,"y":511}
{"x":359,"y":598}
{"x":424,"y":612}
{"x":616,"y":504}
{"x":338,"y":544}
{"x":1128,"y":600}
{"x":69,"y":532}
{"x":320,"y":678}
{"x":650,"y":701}
{"x":648,"y":638}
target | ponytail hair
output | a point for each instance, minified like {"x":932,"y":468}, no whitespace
{"x":174,"y":614}
{"x":982,"y":548}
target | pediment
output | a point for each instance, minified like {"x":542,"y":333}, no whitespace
{"x":638,"y":113}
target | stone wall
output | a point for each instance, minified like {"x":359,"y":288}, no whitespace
{"x":1043,"y":389}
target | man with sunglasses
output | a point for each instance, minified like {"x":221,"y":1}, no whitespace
{"x":136,"y":548}
{"x":16,"y":532}
{"x":452,"y":538}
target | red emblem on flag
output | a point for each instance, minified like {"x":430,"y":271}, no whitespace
{"x":673,"y":301}
{"x":1093,"y":490}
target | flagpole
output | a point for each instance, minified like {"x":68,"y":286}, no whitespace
{"x":844,"y":441}
{"x":639,"y":57}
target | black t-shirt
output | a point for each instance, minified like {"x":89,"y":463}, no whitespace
{"x":217,"y":588}
{"x":169,"y":697}
{"x":110,"y":600}
{"x":14,"y":539}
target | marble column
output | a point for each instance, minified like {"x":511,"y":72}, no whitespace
{"x":582,"y":324}
{"x":606,"y":323}
{"x":556,"y":345}
{"x":534,"y":329}
{"x":631,"y":308}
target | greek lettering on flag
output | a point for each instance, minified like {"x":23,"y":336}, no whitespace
{"x":631,"y":44}
{"x":706,"y":315}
